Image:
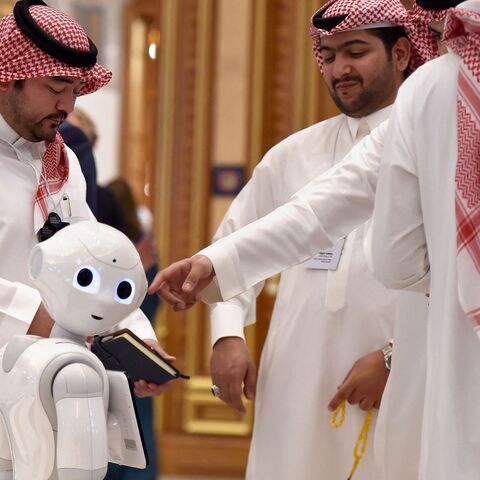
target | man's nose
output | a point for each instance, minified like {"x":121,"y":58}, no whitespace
{"x":66,"y":103}
{"x":341,"y":67}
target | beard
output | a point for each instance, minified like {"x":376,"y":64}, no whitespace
{"x":26,"y":123}
{"x":371,"y":98}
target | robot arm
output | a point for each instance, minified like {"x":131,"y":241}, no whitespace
{"x":78,"y":393}
{"x":125,"y":442}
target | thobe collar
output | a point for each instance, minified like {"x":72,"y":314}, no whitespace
{"x":373,"y":120}
{"x":11,"y":137}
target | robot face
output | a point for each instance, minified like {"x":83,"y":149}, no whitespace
{"x":90,"y":277}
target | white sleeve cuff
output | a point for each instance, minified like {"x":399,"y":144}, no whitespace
{"x":222,"y":254}
{"x":227,"y":320}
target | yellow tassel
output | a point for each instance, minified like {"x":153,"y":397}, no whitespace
{"x":361,"y":444}
{"x":339,"y":410}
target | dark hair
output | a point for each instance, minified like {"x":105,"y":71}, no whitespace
{"x":124,"y":195}
{"x":389,"y":36}
{"x":18,"y":84}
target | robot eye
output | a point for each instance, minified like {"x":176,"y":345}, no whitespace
{"x":87,"y":279}
{"x":125,"y":291}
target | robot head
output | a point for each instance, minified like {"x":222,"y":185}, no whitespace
{"x":90,"y":277}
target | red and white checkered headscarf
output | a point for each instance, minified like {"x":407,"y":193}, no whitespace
{"x":362,"y":13}
{"x":462,"y":35}
{"x":21,"y":59}
{"x":428,"y":15}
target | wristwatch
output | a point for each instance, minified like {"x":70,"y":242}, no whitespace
{"x":387,"y":354}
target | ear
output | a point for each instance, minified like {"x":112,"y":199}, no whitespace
{"x":401,"y":53}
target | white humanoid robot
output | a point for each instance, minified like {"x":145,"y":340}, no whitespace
{"x":63,"y":416}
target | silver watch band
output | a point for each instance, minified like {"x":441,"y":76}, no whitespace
{"x":387,"y":351}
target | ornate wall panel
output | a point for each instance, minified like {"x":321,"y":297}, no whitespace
{"x":192,"y":418}
{"x":140,"y":114}
{"x":232,"y":79}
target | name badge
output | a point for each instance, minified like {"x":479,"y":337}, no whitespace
{"x":327,"y":259}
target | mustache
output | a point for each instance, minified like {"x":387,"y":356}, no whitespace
{"x":61,"y":116}
{"x":351,"y":78}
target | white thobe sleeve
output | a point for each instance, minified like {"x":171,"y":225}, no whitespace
{"x":328,"y":208}
{"x":18,"y":305}
{"x":399,"y":254}
{"x":257,"y":199}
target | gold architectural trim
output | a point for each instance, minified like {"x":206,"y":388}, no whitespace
{"x":313,"y":76}
{"x":198,"y":203}
{"x":301,"y":95}
{"x":258,"y":83}
{"x":198,"y":394}
{"x":200,"y":159}
{"x":199,"y":195}
{"x":166,"y":96}
{"x":307,"y":93}
{"x":164,"y":157}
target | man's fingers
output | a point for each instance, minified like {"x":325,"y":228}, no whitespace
{"x":340,"y":396}
{"x":235,"y":396}
{"x":196,"y":273}
{"x":157,"y":282}
{"x":170,"y":296}
{"x":200,"y":268}
{"x":346,"y":376}
{"x":231,"y":394}
{"x":174,"y":273}
{"x":366,"y":404}
{"x":250,"y":382}
{"x":158,"y":348}
{"x":146,"y":389}
{"x":355,"y":397}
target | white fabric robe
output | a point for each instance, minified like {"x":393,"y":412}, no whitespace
{"x":416,"y":227}
{"x":20,"y":163}
{"x":321,"y":324}
{"x":332,"y":205}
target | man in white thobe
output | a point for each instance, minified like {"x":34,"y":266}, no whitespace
{"x":427,"y":193}
{"x":338,"y":200}
{"x":343,"y":315}
{"x":42,"y":71}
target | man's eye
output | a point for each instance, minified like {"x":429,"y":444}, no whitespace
{"x":57,"y":92}
{"x":328,"y":59}
{"x":357,"y":54}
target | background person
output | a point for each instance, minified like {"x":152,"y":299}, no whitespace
{"x":323,"y":320}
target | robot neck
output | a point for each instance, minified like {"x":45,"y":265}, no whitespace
{"x":59,"y":332}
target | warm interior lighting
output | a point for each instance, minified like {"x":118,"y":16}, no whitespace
{"x":153,"y":42}
{"x":152,"y":51}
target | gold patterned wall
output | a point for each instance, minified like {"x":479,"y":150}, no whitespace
{"x":233,"y":78}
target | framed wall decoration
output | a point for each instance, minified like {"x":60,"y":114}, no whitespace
{"x":227,"y":180}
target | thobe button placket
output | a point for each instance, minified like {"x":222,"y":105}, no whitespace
{"x":336,"y":291}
